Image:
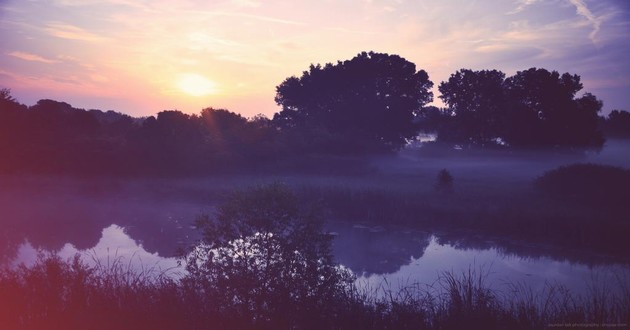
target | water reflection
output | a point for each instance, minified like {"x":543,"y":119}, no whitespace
{"x":392,"y":258}
{"x":501,"y":270}
{"x":114,"y":246}
{"x":72,"y":216}
{"x":374,"y":249}
{"x":382,"y":258}
{"x":51,"y":212}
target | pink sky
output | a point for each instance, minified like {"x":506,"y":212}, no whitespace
{"x":143,"y":56}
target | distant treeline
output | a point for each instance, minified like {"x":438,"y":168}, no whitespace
{"x":372,"y":103}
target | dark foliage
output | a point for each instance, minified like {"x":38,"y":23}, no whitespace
{"x":58,"y":294}
{"x":534,"y":108}
{"x":544,"y":111}
{"x":444,"y":182}
{"x":364,"y":104}
{"x":54,"y":137}
{"x":617,"y":124}
{"x":588,"y":183}
{"x":478,"y":103}
{"x":265,"y":260}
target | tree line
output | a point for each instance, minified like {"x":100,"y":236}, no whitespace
{"x":372,"y":103}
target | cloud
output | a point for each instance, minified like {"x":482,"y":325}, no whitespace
{"x":522,"y":5}
{"x":98,"y":78}
{"x":595,"y":21}
{"x":31,"y":57}
{"x":68,"y":31}
{"x":84,"y":3}
{"x":247,"y":3}
{"x":254,"y":17}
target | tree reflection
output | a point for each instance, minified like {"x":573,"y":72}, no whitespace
{"x":376,"y":250}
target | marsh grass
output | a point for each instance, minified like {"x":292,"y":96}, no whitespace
{"x":515,"y":212}
{"x":68,"y":294}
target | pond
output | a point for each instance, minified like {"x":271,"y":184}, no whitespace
{"x":148,"y":230}
{"x":390,"y":259}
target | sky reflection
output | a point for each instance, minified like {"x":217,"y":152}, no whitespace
{"x":501,"y":270}
{"x":114,"y":246}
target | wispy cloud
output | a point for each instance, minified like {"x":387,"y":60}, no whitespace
{"x":584,"y":11}
{"x":247,"y":3}
{"x":31,"y":57}
{"x":84,"y":3}
{"x":68,"y":31}
{"x":256,"y":44}
{"x":522,"y":4}
{"x":263,"y":18}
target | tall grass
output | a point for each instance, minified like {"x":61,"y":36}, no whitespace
{"x":68,"y":294}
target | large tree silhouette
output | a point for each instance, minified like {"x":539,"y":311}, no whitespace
{"x":543,"y":111}
{"x":477,"y":101}
{"x":363,"y":104}
{"x":533,"y":108}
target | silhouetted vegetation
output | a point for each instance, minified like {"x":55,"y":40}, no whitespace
{"x":444,"y":182}
{"x":265,"y":263}
{"x":266,"y":260}
{"x":534,"y":108}
{"x":372,"y":103}
{"x":360,"y":105}
{"x":588,"y":183}
{"x":617,"y":124}
{"x":489,"y":207}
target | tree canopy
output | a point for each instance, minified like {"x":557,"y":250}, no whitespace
{"x":543,"y":111}
{"x":477,"y":100}
{"x":374,"y":102}
{"x":368,"y":102}
{"x":533,"y":108}
{"x":617,"y":124}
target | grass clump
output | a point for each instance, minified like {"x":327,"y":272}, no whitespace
{"x":68,"y":294}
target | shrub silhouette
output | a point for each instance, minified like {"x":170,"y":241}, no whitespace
{"x":444,"y":182}
{"x":266,"y":261}
{"x":587,"y":183}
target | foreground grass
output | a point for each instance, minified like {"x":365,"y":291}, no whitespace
{"x":68,"y":294}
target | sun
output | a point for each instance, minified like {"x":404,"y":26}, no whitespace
{"x":196,"y":84}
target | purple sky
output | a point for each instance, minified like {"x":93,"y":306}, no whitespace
{"x":143,"y":56}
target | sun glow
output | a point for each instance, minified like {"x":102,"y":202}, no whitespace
{"x":196,"y":85}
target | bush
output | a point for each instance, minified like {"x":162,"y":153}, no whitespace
{"x":587,"y":183}
{"x":266,"y":260}
{"x":444,"y":182}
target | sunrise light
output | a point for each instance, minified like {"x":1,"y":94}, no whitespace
{"x":196,"y":85}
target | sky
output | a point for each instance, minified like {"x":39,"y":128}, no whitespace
{"x":143,"y":56}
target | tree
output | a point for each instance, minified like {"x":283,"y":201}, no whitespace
{"x":618,"y":123}
{"x":5,"y":95}
{"x":265,"y":259}
{"x":477,"y":101}
{"x":543,"y":111}
{"x":13,"y":129}
{"x":533,"y":108}
{"x":366,"y":103}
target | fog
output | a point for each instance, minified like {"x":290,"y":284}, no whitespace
{"x":50,"y":212}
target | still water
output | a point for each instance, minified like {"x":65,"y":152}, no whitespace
{"x":383,"y":259}
{"x":142,"y":223}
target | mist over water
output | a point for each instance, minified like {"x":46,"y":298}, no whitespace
{"x":144,"y":222}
